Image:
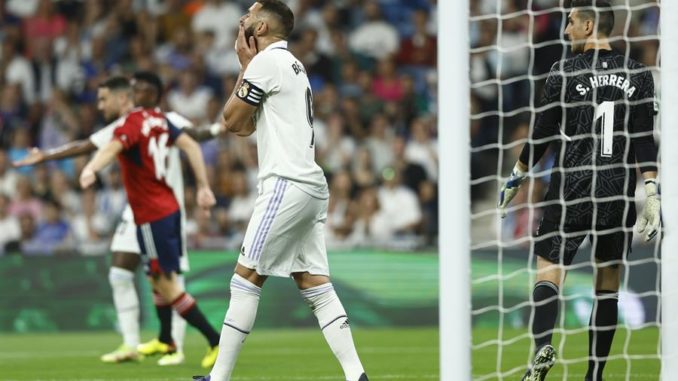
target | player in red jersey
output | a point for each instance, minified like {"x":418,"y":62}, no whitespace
{"x":141,"y":143}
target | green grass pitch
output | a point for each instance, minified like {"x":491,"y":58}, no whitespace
{"x":388,"y":354}
{"x":641,"y":362}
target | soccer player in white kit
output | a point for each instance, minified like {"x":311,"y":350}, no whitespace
{"x":285,"y":236}
{"x":115,"y":101}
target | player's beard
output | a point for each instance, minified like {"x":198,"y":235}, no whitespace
{"x":249,"y":32}
{"x":111,"y":116}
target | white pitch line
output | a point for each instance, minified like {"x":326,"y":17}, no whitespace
{"x":382,"y":377}
{"x":270,"y":351}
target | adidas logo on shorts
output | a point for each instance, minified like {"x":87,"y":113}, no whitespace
{"x":344,"y":325}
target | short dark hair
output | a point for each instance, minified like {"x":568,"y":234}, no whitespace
{"x":153,"y":80}
{"x":116,"y":83}
{"x":588,"y":10}
{"x":282,"y":12}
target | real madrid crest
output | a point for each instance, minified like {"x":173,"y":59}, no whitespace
{"x":244,"y":90}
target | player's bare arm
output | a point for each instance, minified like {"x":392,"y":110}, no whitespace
{"x":103,"y":157}
{"x":205,"y":197}
{"x":68,"y":150}
{"x":205,"y":132}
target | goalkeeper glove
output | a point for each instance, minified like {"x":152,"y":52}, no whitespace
{"x":650,"y":218}
{"x":510,"y":189}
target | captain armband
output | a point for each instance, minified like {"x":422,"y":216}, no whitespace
{"x":250,"y":93}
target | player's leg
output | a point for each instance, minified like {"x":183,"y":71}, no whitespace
{"x":161,"y":242}
{"x":268,"y":248}
{"x":181,"y":301}
{"x":319,"y":294}
{"x":125,"y":260}
{"x":554,"y":251}
{"x":242,"y":311}
{"x":545,"y":301}
{"x":178,"y":333}
{"x":609,"y":249}
{"x":126,"y":302}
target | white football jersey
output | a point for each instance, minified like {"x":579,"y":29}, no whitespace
{"x":277,"y":82}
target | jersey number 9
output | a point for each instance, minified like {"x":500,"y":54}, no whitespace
{"x":309,"y":113}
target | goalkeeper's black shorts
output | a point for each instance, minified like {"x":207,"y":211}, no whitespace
{"x":559,"y":244}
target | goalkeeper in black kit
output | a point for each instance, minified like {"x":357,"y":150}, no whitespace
{"x":597,"y":116}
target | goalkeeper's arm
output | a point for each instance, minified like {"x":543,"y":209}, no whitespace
{"x":531,"y":153}
{"x":545,"y":128}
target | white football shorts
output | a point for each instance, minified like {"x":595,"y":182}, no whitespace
{"x":125,"y":237}
{"x":286,"y":232}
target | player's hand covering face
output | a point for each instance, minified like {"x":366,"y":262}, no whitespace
{"x":650,"y":219}
{"x":244,"y":48}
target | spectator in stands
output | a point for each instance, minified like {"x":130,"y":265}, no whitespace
{"x":423,"y":147}
{"x":8,"y":176}
{"x":52,"y":234}
{"x":399,"y":203}
{"x":428,"y":198}
{"x":335,"y":149}
{"x":45,"y":25}
{"x":171,"y":19}
{"x":17,"y":70}
{"x":413,"y":174}
{"x":372,"y":226}
{"x":24,"y":202}
{"x":112,"y":199}
{"x":242,"y":202}
{"x":12,"y":112}
{"x":340,"y":211}
{"x":380,"y":142}
{"x":190,"y":99}
{"x":375,"y":37}
{"x":219,"y":17}
{"x":91,"y":227}
{"x":362,"y":168}
{"x":62,"y":191}
{"x":419,"y":49}
{"x":202,"y":233}
{"x":27,"y":231}
{"x":317,"y":64}
{"x":9,"y":225}
{"x":386,"y":85}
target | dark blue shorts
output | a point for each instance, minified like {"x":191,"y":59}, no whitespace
{"x":160,"y":244}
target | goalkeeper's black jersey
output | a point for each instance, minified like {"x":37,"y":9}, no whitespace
{"x":597,"y":116}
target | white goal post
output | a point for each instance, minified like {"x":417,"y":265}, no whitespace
{"x":455,"y":201}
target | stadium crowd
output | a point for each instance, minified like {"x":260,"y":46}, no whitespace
{"x":372,"y":65}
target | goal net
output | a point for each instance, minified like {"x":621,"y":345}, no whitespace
{"x":514,"y":43}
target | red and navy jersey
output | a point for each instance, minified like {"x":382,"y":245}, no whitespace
{"x":146,"y":136}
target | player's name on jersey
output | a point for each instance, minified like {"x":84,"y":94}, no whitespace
{"x":615,"y":80}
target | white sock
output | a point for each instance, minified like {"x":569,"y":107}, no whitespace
{"x":242,"y":310}
{"x":178,"y":323}
{"x":334,"y":324}
{"x":126,"y":304}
